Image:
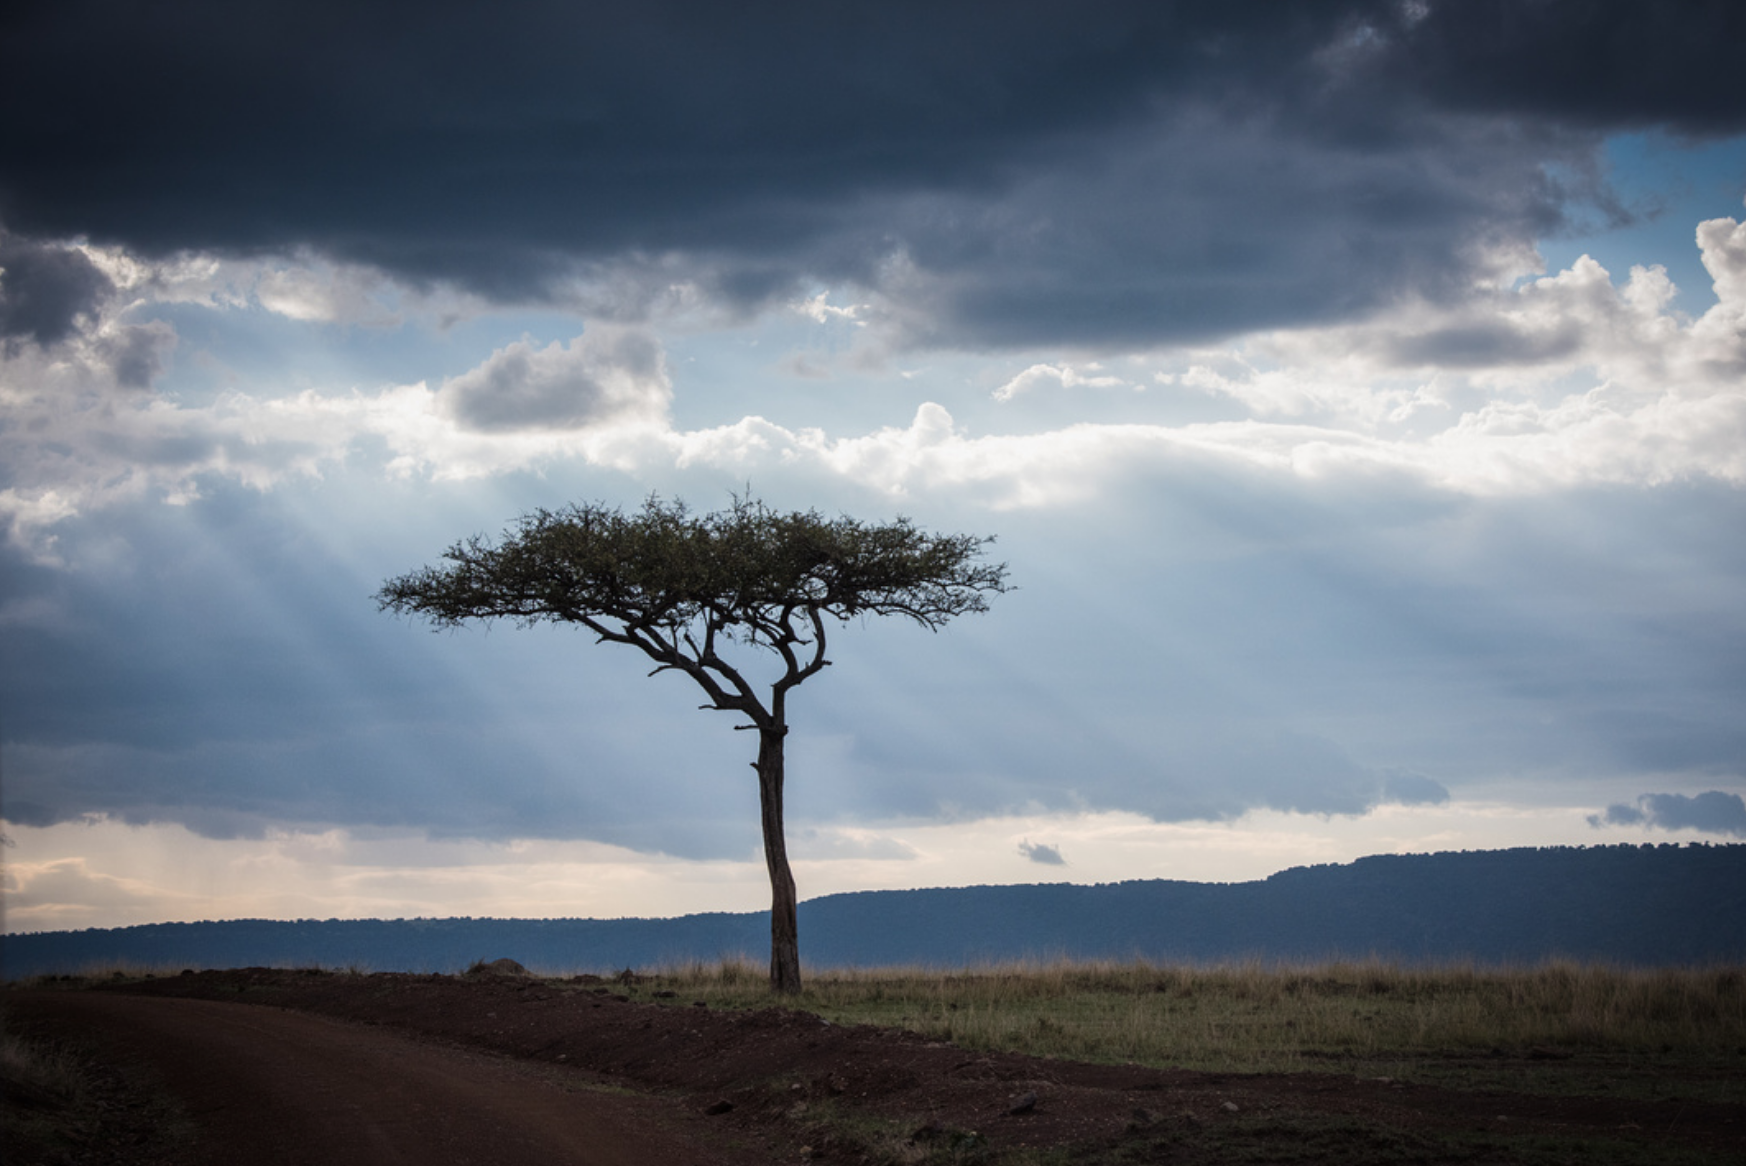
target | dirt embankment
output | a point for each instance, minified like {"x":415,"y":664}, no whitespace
{"x":405,"y":1068}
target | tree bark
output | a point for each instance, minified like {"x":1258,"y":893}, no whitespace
{"x":784,"y":924}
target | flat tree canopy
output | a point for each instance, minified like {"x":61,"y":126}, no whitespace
{"x":683,"y":587}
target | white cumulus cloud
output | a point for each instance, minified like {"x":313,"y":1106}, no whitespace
{"x":1567,"y":380}
{"x":1039,"y":376}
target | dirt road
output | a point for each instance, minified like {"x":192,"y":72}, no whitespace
{"x":268,"y":1086}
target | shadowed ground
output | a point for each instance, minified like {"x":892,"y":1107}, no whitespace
{"x":341,"y":1068}
{"x":270,"y":1085}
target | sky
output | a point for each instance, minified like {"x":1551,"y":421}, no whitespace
{"x":1355,"y":391}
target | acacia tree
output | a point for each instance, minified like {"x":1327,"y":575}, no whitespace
{"x":682,"y":588}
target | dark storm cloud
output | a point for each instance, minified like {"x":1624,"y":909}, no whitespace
{"x":1605,"y":63}
{"x":46,"y":290}
{"x":1042,"y":853}
{"x":1042,"y":170}
{"x":1714,"y":812}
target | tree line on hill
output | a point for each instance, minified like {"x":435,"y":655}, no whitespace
{"x":1647,"y":905}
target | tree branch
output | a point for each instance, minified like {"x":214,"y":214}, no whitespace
{"x":748,"y":574}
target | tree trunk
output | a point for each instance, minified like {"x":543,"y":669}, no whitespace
{"x":784,"y":926}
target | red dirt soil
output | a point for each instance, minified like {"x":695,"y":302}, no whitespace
{"x":424,"y":1069}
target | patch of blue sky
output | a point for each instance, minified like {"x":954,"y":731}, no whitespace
{"x":1669,"y":186}
{"x":801,"y":375}
{"x":794,"y":371}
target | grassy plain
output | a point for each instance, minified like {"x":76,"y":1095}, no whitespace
{"x":1559,"y":1028}
{"x":1568,"y":1033}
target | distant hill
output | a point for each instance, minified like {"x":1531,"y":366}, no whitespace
{"x":1634,"y":905}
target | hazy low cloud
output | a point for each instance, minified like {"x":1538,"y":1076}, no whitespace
{"x":816,"y":844}
{"x":607,"y":374}
{"x":1316,"y":650}
{"x":1413,"y":789}
{"x":1040,"y":853}
{"x":316,"y":291}
{"x":67,"y":895}
{"x":1714,"y":812}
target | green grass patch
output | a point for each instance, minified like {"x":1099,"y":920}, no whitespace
{"x":1558,"y":1028}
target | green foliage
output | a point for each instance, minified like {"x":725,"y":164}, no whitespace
{"x":746,"y":570}
{"x":677,"y":585}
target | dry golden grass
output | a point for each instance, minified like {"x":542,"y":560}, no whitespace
{"x":1258,"y":1018}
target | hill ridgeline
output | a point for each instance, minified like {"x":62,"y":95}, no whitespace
{"x":1630,"y":905}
